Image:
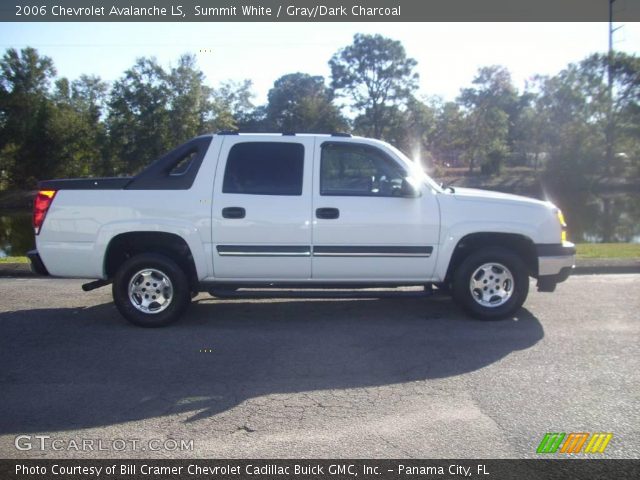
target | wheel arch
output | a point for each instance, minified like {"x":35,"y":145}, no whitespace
{"x":126,"y":245}
{"x":521,"y":245}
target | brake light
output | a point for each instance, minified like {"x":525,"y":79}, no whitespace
{"x":40,"y":206}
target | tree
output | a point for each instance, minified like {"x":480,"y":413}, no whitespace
{"x":448,"y":139}
{"x":75,"y":133}
{"x":25,"y":108}
{"x":409,"y":129}
{"x":623,"y":134}
{"x":139,"y":116}
{"x":490,"y":106}
{"x":302,"y":103}
{"x":575,"y":104}
{"x":233,"y":108}
{"x":189,"y":101}
{"x":391,"y":130}
{"x":89,"y":95}
{"x":416,"y":136}
{"x":376,"y":74}
{"x":25,"y":72}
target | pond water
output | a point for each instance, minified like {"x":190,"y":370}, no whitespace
{"x":601,"y":218}
{"x":16,"y":233}
{"x":591,"y":217}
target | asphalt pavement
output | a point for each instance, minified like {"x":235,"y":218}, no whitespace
{"x":393,"y":377}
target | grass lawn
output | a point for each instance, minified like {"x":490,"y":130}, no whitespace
{"x":14,"y":260}
{"x":608,"y":250}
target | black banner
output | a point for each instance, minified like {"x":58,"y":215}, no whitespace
{"x":316,"y":10}
{"x":201,"y":469}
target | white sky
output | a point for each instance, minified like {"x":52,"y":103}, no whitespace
{"x":448,"y":54}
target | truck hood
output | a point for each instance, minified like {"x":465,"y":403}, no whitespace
{"x":474,"y":194}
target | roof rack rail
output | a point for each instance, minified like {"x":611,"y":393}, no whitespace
{"x":227,"y":132}
{"x":288,"y":134}
{"x":341,"y":134}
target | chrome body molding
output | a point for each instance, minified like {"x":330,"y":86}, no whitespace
{"x":323,"y":251}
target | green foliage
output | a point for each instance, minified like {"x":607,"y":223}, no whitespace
{"x":232,"y":106}
{"x":75,"y":134}
{"x":25,"y":110}
{"x":16,"y":234}
{"x":25,"y":72}
{"x":390,"y":129}
{"x":572,"y":125}
{"x":189,"y":101}
{"x":139,"y":116}
{"x":409,"y":128}
{"x":376,"y":74}
{"x":302,"y":103}
{"x":587,"y":132}
{"x":448,"y":140}
{"x":489,"y":106}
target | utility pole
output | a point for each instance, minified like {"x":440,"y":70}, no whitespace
{"x":611,"y":29}
{"x":610,"y":128}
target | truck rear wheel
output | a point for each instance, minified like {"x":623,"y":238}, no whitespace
{"x":491,"y":283}
{"x":151,"y":290}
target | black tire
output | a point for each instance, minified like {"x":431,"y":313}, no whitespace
{"x":462,"y":277}
{"x":444,"y":288}
{"x":180,"y":293}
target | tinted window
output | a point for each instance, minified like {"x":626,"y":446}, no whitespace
{"x":264,"y":168}
{"x":176,"y":170}
{"x":361,"y":170}
{"x":183,"y":164}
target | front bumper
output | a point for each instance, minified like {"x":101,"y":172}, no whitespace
{"x":37,"y":266}
{"x":555,"y":264}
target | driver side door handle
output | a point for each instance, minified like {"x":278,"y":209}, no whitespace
{"x":233,"y":212}
{"x":327,"y":213}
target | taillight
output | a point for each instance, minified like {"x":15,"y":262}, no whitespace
{"x":40,"y":206}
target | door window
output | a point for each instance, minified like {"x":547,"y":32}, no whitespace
{"x":264,"y":168}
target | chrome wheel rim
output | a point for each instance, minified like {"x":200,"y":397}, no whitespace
{"x":150,"y":291}
{"x":491,"y":285}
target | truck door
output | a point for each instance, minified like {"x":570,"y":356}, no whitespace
{"x":368,"y":223}
{"x":261,"y":205}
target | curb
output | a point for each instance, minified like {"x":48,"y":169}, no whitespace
{"x":601,"y":270}
{"x":597,"y":266}
{"x":587,"y":266}
{"x":16,"y":270}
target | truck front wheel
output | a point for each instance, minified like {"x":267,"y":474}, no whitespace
{"x":151,"y":290}
{"x":491,"y":283}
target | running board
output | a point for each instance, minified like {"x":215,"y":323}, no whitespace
{"x":345,"y":292}
{"x":87,"y":287}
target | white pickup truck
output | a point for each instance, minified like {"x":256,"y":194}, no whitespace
{"x":232,"y":210}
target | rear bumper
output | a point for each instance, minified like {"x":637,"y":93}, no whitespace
{"x":37,"y":266}
{"x":555,"y":264}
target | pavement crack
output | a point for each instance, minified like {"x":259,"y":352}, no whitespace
{"x":397,"y":447}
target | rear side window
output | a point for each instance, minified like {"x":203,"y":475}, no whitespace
{"x":183,"y":164}
{"x":175,"y":170}
{"x":264,"y":168}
